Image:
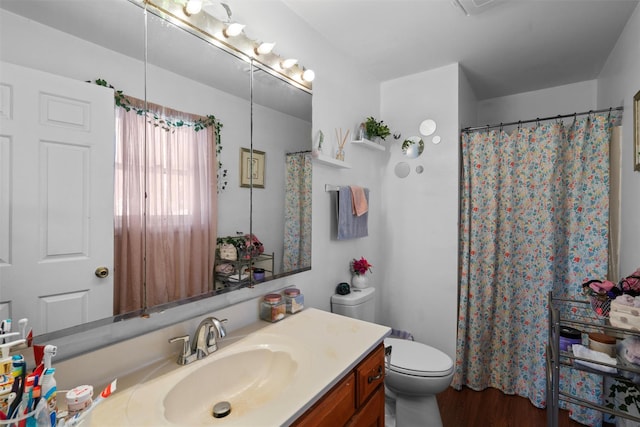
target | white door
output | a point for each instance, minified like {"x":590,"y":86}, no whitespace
{"x":56,"y":199}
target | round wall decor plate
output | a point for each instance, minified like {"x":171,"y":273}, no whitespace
{"x":427,"y":127}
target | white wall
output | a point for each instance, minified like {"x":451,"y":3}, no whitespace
{"x":566,"y":99}
{"x":467,"y":102}
{"x":617,"y":83}
{"x":421,"y":210}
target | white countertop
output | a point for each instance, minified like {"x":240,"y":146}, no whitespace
{"x":325,"y":346}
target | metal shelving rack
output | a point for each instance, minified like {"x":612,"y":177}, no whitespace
{"x":577,"y":314}
{"x":235,"y":280}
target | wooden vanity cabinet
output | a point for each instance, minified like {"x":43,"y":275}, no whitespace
{"x":356,"y":401}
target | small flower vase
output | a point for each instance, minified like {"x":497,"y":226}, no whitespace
{"x":340,"y":154}
{"x":359,"y":281}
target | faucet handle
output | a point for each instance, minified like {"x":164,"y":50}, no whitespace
{"x":186,"y":356}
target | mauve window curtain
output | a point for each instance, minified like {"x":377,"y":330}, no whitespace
{"x":164,"y":248}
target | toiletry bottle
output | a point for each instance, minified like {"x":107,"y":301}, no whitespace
{"x":294,"y":300}
{"x":49,"y":394}
{"x":6,"y":393}
{"x":6,"y":362}
{"x":79,"y":398}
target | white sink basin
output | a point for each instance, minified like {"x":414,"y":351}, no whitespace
{"x":246,"y":379}
{"x":269,"y":373}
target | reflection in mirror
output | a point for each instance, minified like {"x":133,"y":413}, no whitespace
{"x":413,"y":147}
{"x":70,"y":208}
{"x":281,"y":210}
{"x":182,"y":74}
{"x":189,"y":82}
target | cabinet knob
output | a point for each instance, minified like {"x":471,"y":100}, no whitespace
{"x":373,"y":378}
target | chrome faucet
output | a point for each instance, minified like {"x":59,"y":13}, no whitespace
{"x":204,"y":341}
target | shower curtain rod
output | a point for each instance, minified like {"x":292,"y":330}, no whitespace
{"x":298,"y":152}
{"x":604,"y":110}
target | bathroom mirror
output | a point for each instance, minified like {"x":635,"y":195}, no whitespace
{"x":107,"y":41}
{"x":413,"y":147}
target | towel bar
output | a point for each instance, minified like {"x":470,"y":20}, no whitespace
{"x":329,"y":187}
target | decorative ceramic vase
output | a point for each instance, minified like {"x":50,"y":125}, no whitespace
{"x":359,"y":281}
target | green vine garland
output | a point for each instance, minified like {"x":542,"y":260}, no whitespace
{"x":209,"y":121}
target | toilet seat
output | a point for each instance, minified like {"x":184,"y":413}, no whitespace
{"x":417,"y":359}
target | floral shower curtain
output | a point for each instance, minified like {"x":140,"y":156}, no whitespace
{"x":297,"y":211}
{"x":534,"y":217}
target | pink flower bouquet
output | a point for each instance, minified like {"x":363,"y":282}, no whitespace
{"x":360,"y":266}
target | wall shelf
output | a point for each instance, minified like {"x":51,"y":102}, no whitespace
{"x":369,"y":144}
{"x":326,"y":160}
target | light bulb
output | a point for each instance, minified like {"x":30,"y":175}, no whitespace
{"x":193,"y":7}
{"x":233,"y":30}
{"x":265,"y":48}
{"x":308,"y":75}
{"x":288,"y":63}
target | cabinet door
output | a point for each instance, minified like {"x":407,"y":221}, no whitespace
{"x":370,"y":374}
{"x":372,"y":413}
{"x":335,"y":408}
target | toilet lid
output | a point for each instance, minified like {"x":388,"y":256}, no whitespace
{"x":414,"y":358}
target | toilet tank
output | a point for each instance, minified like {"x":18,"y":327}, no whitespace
{"x":359,"y":304}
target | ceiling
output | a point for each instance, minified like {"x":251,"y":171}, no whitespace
{"x":504,"y":47}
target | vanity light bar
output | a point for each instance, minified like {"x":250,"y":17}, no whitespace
{"x":231,"y":38}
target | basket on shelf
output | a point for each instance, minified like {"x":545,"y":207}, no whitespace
{"x":601,"y":304}
{"x":600,"y":294}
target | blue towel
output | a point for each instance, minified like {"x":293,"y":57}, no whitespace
{"x":349,"y":225}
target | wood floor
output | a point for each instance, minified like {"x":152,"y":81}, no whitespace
{"x":492,"y":408}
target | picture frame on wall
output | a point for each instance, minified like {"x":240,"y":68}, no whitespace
{"x":252,"y":168}
{"x":636,"y":131}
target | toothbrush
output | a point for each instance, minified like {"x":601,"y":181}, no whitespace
{"x":78,"y":418}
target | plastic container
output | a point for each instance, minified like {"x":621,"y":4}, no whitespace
{"x":258,"y":274}
{"x":272,"y":308}
{"x":603,"y":343}
{"x":294,"y":300}
{"x":568,"y":337}
{"x":79,"y":399}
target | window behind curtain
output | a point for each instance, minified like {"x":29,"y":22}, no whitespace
{"x":167,"y":254}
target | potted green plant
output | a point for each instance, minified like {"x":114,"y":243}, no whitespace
{"x":376,"y":129}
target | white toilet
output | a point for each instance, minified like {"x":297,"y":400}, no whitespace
{"x":415,"y":373}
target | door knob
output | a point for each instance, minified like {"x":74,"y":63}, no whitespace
{"x":102,"y":272}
